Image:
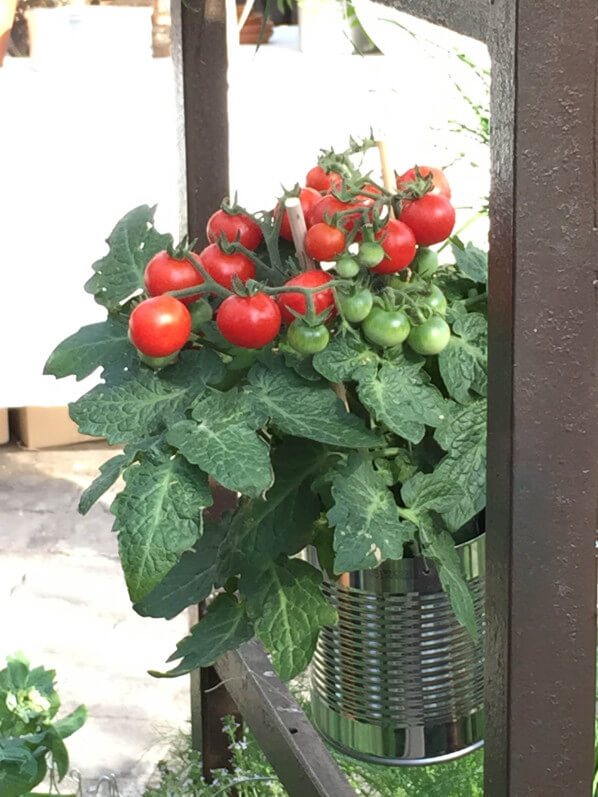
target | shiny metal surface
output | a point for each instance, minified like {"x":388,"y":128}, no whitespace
{"x":398,"y":680}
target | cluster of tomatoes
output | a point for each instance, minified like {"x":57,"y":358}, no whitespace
{"x":366,"y":236}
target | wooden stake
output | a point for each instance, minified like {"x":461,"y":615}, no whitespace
{"x":298,"y":229}
{"x":388,"y":175}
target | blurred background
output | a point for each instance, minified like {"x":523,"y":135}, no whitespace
{"x":89,"y":131}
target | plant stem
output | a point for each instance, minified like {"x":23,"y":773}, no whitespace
{"x":475,"y":299}
{"x":211,"y":284}
{"x":461,"y":229}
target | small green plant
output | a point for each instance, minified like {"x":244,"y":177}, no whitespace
{"x":31,"y":742}
{"x":252,"y":775}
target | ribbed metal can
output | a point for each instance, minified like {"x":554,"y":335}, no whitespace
{"x":398,"y":680}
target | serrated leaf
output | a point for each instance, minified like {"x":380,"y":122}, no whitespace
{"x":144,"y":404}
{"x":471,"y":261}
{"x":425,"y":492}
{"x":366,"y":519}
{"x":105,"y":344}
{"x":224,"y":627}
{"x":133,"y":242}
{"x":109,"y":473}
{"x":158,"y":516}
{"x":304,"y":409}
{"x":282,"y":523}
{"x":346,"y":357}
{"x":288,"y":608}
{"x":222,"y":440}
{"x":441,"y":548}
{"x":463,"y":436}
{"x":190,"y":580}
{"x":401,"y":396}
{"x":463,"y":364}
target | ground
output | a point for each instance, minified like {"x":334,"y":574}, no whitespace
{"x":63,"y":602}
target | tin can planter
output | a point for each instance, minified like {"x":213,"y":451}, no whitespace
{"x":398,"y":680}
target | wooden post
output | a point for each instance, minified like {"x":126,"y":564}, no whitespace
{"x":543,"y":420}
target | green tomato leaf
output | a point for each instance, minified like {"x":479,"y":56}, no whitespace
{"x":346,"y":357}
{"x":66,"y":726}
{"x":400,"y":395}
{"x":222,"y":440}
{"x":263,"y":529}
{"x":306,"y":409}
{"x":133,"y":243}
{"x":471,"y":261}
{"x":441,"y":549}
{"x":109,"y":473}
{"x":224,"y":627}
{"x":366,"y":519}
{"x":288,"y":608}
{"x":463,"y":436}
{"x":463,"y":364}
{"x":425,"y":492}
{"x":105,"y":344}
{"x":144,"y":404}
{"x":158,"y":516}
{"x":190,"y":580}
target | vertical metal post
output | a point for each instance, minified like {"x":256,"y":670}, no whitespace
{"x":543,"y":424}
{"x":200,"y":61}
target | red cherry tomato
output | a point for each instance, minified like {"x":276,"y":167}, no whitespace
{"x":324,"y":242}
{"x":165,"y":273}
{"x":308,"y":197}
{"x":249,"y":321}
{"x":159,"y":326}
{"x":223,"y":268}
{"x":439,"y":181}
{"x":399,"y":243}
{"x":431,"y":218}
{"x":329,"y":205}
{"x":232,"y":226}
{"x":320,"y":180}
{"x":298,"y":302}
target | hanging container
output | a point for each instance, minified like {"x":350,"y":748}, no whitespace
{"x":398,"y":680}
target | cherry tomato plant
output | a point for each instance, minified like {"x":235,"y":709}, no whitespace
{"x":349,"y":397}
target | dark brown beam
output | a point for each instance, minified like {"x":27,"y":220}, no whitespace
{"x":469,"y":17}
{"x":200,"y":60}
{"x":543,"y":420}
{"x":293,"y":747}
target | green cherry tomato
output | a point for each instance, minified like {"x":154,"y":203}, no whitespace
{"x":386,"y":327}
{"x":201,"y":313}
{"x":425,"y":263}
{"x":347,"y":267}
{"x":435,"y":300}
{"x":306,"y":339}
{"x":370,"y":254}
{"x":157,"y":362}
{"x":356,"y":305}
{"x":431,"y":337}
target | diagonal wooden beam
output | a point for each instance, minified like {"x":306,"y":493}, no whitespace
{"x":469,"y":17}
{"x":289,"y":740}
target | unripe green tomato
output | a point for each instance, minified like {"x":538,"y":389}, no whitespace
{"x":347,"y":267}
{"x":435,"y":300}
{"x":201,"y":313}
{"x":356,"y":306}
{"x":306,"y":339}
{"x":431,"y":337}
{"x":425,"y":263}
{"x":157,"y":362}
{"x":386,"y":327}
{"x":370,"y":254}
